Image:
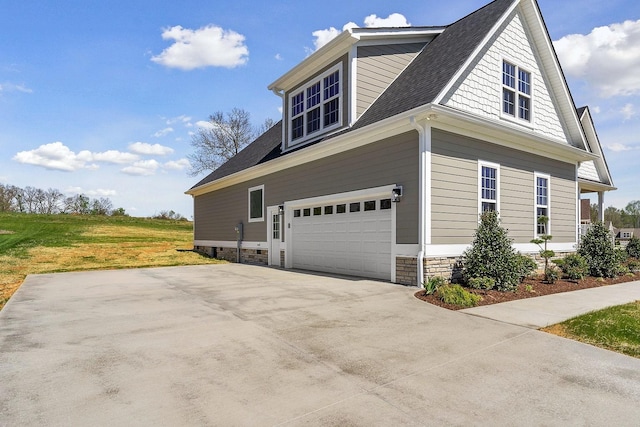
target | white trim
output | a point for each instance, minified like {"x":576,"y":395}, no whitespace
{"x":353,"y":85}
{"x":496,"y":166}
{"x":321,"y":104}
{"x":252,"y":189}
{"x":434,"y":251}
{"x":537,"y":175}
{"x":231,"y":244}
{"x":273,"y":210}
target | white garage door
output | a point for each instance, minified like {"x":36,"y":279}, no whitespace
{"x":352,"y":238}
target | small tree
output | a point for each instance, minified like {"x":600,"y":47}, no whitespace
{"x":550,"y":273}
{"x":491,"y":255}
{"x":633,"y":248}
{"x":597,"y":248}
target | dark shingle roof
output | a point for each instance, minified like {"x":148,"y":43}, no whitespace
{"x":436,"y":65}
{"x":417,"y":85}
{"x":263,"y":149}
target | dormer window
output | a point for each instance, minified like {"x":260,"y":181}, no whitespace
{"x":315,"y":107}
{"x":516,"y":91}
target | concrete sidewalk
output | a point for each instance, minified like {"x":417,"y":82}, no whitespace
{"x":548,"y":310}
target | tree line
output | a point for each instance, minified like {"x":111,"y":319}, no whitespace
{"x":52,"y":201}
{"x":629,"y":217}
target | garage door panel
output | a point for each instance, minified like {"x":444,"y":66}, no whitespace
{"x":352,"y":243}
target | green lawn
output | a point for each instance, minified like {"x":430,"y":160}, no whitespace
{"x":32,"y":244}
{"x":614,"y":328}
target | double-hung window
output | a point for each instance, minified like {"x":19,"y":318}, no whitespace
{"x":516,"y":91}
{"x":488,"y":187}
{"x":542,"y":203}
{"x":315,"y":107}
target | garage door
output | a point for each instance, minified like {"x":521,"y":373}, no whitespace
{"x":352,"y":238}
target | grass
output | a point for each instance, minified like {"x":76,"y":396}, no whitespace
{"x":615,"y":328}
{"x":33,"y":244}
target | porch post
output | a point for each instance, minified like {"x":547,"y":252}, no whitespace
{"x":601,"y":206}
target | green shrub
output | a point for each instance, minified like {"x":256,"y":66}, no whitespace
{"x":633,"y":264}
{"x":574,"y":266}
{"x":457,"y":295}
{"x":433,"y":284}
{"x":633,"y":248}
{"x":491,"y":255}
{"x":481,"y":283}
{"x":551,"y":274}
{"x":597,"y":248}
{"x":526,"y":265}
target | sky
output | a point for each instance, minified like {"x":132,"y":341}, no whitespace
{"x":101,"y":97}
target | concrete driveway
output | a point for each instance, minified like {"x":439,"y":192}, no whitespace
{"x":241,"y":345}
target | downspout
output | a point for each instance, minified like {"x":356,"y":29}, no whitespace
{"x":280,"y":93}
{"x":424,"y":192}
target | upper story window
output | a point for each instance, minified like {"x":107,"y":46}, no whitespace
{"x":488,"y":187}
{"x":315,"y":107}
{"x":516,"y":91}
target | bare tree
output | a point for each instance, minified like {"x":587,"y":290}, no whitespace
{"x":225,"y":136}
{"x":52,"y":201}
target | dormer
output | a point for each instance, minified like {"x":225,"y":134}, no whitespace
{"x":333,"y":87}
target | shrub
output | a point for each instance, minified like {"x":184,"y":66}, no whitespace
{"x":433,"y":284}
{"x":551,"y":274}
{"x":634,"y":265}
{"x":491,"y":255}
{"x":597,"y":248}
{"x":481,"y":283}
{"x":574,"y":266}
{"x":526,"y":265}
{"x":633,"y":248}
{"x":457,"y":295}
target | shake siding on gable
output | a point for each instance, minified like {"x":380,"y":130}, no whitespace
{"x":390,"y":161}
{"x":480,"y":88}
{"x":455,"y":190}
{"x":377,"y":67}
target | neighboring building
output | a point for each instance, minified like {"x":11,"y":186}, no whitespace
{"x":394,"y":140}
{"x":624,"y":235}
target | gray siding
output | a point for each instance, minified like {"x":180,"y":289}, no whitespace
{"x":377,"y":67}
{"x":455,"y":190}
{"x":390,"y":161}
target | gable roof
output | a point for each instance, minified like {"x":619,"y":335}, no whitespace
{"x":429,"y":73}
{"x":417,"y":85}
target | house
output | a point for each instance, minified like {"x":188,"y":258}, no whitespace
{"x":394,"y":140}
{"x":624,"y":235}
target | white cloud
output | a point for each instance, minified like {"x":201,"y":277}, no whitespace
{"x":607,"y":58}
{"x":617,"y":147}
{"x":204,"y":124}
{"x":100,"y":192}
{"x":596,"y":109}
{"x":177,"y":165}
{"x":393,"y":20}
{"x":209,"y":46}
{"x":628,"y":111}
{"x":113,"y":156}
{"x":57,"y":156}
{"x":278,"y":57}
{"x":322,"y":37}
{"x":163,"y":132}
{"x":142,"y":168}
{"x":11,"y":87}
{"x":180,"y":119}
{"x":150,"y":149}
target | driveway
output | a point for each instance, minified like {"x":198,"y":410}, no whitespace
{"x":242,"y":345}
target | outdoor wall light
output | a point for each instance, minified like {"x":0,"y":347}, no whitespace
{"x":396,"y":194}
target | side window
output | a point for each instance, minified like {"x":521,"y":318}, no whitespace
{"x":488,"y":187}
{"x":256,"y":204}
{"x":542,"y":203}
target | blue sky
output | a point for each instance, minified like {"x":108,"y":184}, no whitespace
{"x":101,"y":97}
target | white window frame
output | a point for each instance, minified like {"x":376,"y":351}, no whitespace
{"x":303,"y":89}
{"x":516,"y":92}
{"x":252,"y":189}
{"x":481,"y":200}
{"x":536,"y":205}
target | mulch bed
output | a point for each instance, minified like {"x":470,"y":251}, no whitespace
{"x":531,"y":287}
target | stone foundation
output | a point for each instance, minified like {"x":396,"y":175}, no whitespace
{"x":247,"y":256}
